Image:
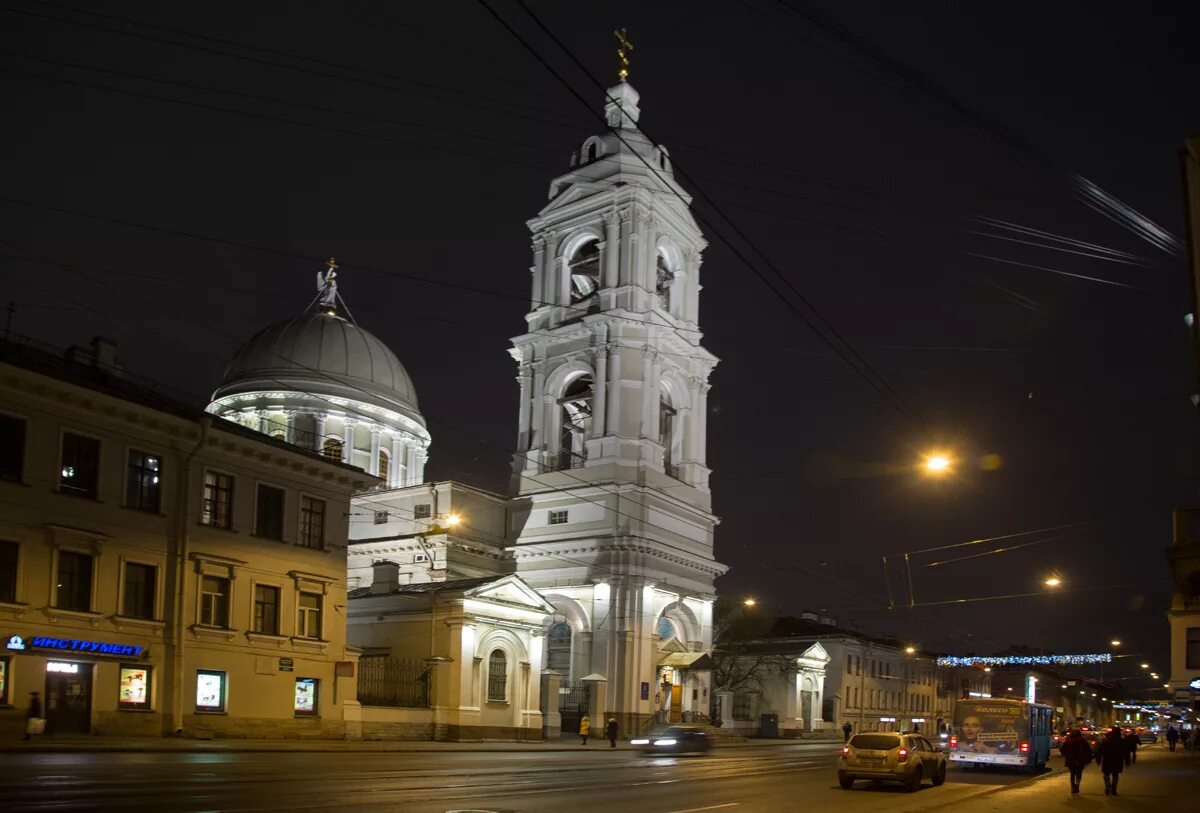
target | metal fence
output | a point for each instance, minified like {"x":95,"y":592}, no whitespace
{"x":393,"y":682}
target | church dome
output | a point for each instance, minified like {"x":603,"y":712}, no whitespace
{"x":324,"y":355}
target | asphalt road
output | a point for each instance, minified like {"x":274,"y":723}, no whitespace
{"x":739,"y":780}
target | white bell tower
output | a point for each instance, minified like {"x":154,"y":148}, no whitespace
{"x":616,"y":528}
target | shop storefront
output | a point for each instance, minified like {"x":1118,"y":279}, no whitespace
{"x":85,"y":686}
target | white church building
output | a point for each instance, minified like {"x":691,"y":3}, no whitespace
{"x":589,"y":586}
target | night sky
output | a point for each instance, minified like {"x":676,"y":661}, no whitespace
{"x":413,"y":141}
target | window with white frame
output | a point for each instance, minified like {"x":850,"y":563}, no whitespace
{"x":558,"y":517}
{"x":497,"y":676}
{"x":381,"y":517}
{"x":308,"y":617}
{"x":73,"y":588}
{"x":422,"y":511}
{"x":216,"y":507}
{"x":214,"y":601}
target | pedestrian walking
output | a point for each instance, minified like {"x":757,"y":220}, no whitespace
{"x":34,"y":722}
{"x":1110,"y":753}
{"x":1131,"y":746}
{"x":1077,"y":753}
{"x":610,"y":731}
{"x":846,"y":729}
{"x":1172,"y":737}
{"x":585,"y":728}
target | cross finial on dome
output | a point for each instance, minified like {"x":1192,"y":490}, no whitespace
{"x":328,"y":297}
{"x":623,"y":47}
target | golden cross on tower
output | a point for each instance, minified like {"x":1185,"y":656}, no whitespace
{"x":332,"y":264}
{"x":623,"y":45}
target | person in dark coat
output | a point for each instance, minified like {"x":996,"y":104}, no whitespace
{"x":1077,"y":753}
{"x":1131,"y":746}
{"x":1110,"y":753}
{"x":610,"y":731}
{"x":1172,"y":737}
{"x":846,"y":729}
{"x":33,"y":713}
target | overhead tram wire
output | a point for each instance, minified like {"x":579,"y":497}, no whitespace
{"x":839,"y":344}
{"x":1082,"y":188}
{"x":496,"y":105}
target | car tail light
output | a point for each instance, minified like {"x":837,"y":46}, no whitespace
{"x":1024,"y":748}
{"x":903,"y":754}
{"x":845,"y":750}
{"x":954,"y":742}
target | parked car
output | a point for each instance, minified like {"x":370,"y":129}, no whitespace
{"x":674,"y":739}
{"x":1146,"y":736}
{"x":890,"y":757}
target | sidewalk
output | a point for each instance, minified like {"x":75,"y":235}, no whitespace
{"x":1159,"y":781}
{"x":80,"y":744}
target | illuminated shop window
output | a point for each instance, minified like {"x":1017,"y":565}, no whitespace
{"x":4,"y":666}
{"x":210,"y":691}
{"x":305,"y":703}
{"x":134,"y":688}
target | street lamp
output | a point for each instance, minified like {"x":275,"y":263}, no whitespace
{"x":937,"y":464}
{"x":1052,"y":581}
{"x":1114,"y":642}
{"x":1145,"y":666}
{"x":910,"y":650}
{"x":750,"y":602}
{"x":453,"y":519}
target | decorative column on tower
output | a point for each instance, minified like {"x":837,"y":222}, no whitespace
{"x":348,"y":425}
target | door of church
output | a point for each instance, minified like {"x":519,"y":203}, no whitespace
{"x":572,"y":705}
{"x":676,"y":703}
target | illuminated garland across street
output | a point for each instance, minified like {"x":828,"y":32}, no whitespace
{"x":1027,"y":660}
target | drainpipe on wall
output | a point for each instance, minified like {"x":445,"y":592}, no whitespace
{"x":176,"y":583}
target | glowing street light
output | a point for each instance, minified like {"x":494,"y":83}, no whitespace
{"x":1114,"y":642}
{"x":937,"y":464}
{"x":453,"y":519}
{"x":750,"y":602}
{"x":910,"y":650}
{"x":1052,"y":581}
{"x":1145,"y":666}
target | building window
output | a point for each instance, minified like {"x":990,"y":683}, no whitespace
{"x":558,"y":648}
{"x":558,"y":517}
{"x":497,"y":676}
{"x":308,"y":617}
{"x":214,"y":602}
{"x":268,"y":512}
{"x":80,"y":469}
{"x":575,"y":422}
{"x":74,"y":585}
{"x":312,"y":523}
{"x":422,"y":511}
{"x":266,"y":609}
{"x":210,"y":691}
{"x":584,"y":268}
{"x":332,"y":448}
{"x":381,"y":517}
{"x":8,"y":571}
{"x":305,"y":702}
{"x":666,"y":434}
{"x":134,"y":688}
{"x":666,"y":628}
{"x":420,"y":558}
{"x":143,"y":486}
{"x":1193,"y":648}
{"x":384,"y":462}
{"x":12,"y":448}
{"x":140,"y":581}
{"x":664,"y":281}
{"x":217,"y":506}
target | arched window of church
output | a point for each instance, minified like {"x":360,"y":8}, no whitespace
{"x":592,"y":151}
{"x":666,"y":629}
{"x":584,"y":267}
{"x":558,"y":648}
{"x":664,"y":284}
{"x":666,"y":433}
{"x":279,"y":434}
{"x":332,"y":448}
{"x":575,"y":415}
{"x":497,"y":676}
{"x":384,"y":461}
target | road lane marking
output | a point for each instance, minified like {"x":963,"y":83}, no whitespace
{"x":710,"y":807}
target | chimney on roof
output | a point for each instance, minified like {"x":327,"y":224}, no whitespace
{"x":386,"y":577}
{"x":807,"y":616}
{"x":829,"y":622}
{"x":101,"y":353}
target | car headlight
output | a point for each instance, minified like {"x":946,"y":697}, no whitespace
{"x":664,"y":742}
{"x":639,"y":742}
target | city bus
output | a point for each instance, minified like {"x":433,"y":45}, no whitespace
{"x":1002,"y":732}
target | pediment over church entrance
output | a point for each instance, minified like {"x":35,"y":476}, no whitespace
{"x":512,"y":591}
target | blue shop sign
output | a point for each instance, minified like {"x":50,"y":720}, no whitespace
{"x":52,"y":644}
